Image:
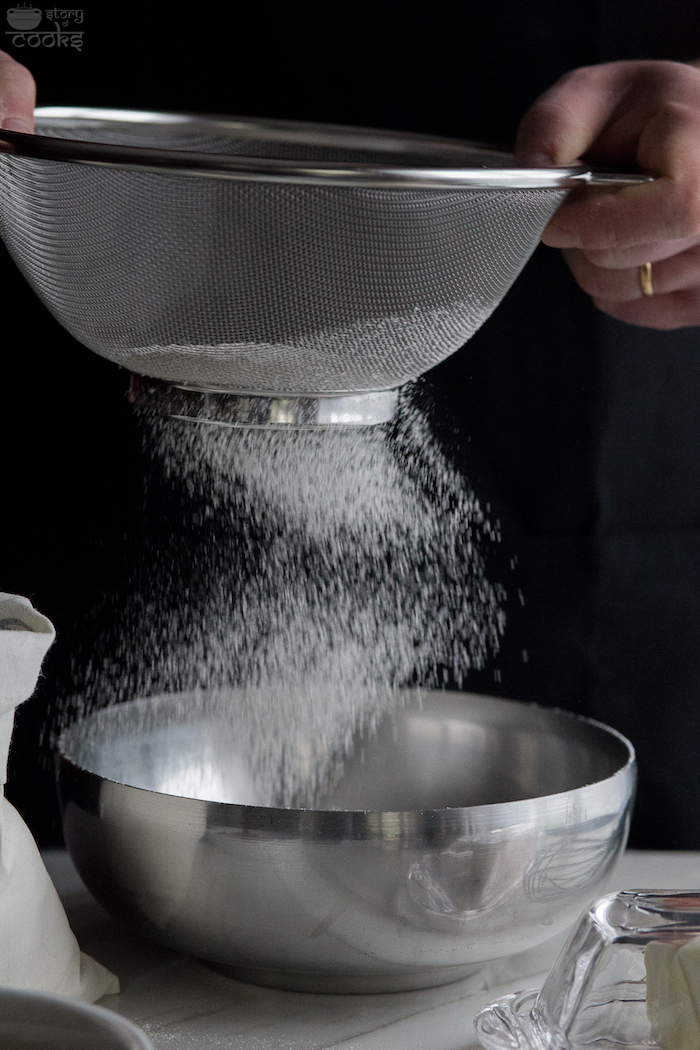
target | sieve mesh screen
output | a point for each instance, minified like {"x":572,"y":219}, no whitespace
{"x":258,"y":285}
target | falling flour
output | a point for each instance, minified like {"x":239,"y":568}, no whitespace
{"x":326,"y":570}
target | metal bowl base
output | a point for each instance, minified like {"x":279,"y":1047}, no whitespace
{"x":346,"y":983}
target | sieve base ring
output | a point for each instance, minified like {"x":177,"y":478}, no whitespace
{"x":229,"y":408}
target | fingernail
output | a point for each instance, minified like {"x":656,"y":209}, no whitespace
{"x":16,"y":124}
{"x":535,"y":160}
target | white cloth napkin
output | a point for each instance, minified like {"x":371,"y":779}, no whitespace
{"x":37,"y":947}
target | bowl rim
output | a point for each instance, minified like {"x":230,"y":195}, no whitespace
{"x":366,"y":824}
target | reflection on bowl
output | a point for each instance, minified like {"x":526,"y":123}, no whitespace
{"x":465,"y":829}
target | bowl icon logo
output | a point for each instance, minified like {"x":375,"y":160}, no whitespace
{"x":24,"y":17}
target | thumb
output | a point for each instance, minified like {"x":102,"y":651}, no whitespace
{"x":17,"y":95}
{"x":564,"y":122}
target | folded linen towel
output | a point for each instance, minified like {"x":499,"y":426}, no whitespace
{"x":38,"y":950}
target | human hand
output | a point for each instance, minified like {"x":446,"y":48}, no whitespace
{"x":17,"y":95}
{"x":627,"y":114}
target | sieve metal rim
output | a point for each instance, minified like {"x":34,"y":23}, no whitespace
{"x":257,"y":410}
{"x":320,"y":173}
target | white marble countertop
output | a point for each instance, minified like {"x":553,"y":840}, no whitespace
{"x":183,"y":1005}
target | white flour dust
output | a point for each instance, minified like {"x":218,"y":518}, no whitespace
{"x":325,"y":570}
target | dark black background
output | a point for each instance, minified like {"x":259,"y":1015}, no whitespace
{"x":580,"y":432}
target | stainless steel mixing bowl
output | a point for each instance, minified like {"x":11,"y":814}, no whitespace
{"x":466,"y":829}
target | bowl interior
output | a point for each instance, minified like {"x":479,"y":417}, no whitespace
{"x":272,"y":139}
{"x":435,"y":751}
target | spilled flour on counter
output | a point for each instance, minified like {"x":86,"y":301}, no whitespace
{"x":320,"y":572}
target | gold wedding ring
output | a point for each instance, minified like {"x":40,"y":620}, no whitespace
{"x":645,"y":283}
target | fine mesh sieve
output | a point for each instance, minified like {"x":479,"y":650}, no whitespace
{"x":262,"y":272}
